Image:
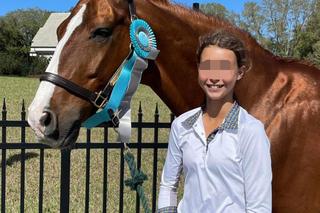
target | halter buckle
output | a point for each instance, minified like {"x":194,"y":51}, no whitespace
{"x":114,"y":116}
{"x":100,"y":100}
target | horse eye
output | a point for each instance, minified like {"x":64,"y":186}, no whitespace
{"x":101,"y":32}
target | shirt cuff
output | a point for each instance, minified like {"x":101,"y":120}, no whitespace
{"x":168,"y":209}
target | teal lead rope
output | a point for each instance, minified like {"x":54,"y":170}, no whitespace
{"x":138,"y":177}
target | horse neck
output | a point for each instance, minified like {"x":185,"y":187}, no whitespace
{"x":258,"y":81}
{"x":174,"y":75}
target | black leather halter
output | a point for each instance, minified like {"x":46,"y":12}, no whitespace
{"x":98,"y":99}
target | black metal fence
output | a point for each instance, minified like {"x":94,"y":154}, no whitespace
{"x":65,"y":160}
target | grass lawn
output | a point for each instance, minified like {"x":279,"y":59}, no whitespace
{"x":15,"y":89}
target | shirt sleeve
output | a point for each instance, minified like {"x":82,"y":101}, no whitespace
{"x":257,"y":169}
{"x":170,"y":174}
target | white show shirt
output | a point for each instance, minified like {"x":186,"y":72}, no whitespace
{"x":231,"y":174}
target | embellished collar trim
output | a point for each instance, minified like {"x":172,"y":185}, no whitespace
{"x":230,"y":121}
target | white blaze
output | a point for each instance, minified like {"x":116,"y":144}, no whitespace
{"x":46,"y":89}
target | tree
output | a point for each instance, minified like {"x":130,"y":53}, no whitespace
{"x":314,"y":56}
{"x":309,"y":45}
{"x":285,"y":20}
{"x":286,"y":27}
{"x":218,"y":10}
{"x":252,"y":20}
{"x":17,"y":29}
{"x":27,"y":22}
{"x":214,"y":9}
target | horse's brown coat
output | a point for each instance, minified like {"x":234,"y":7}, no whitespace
{"x":283,"y":94}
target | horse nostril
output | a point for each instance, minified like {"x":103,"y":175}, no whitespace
{"x":45,"y":120}
{"x":49,"y":121}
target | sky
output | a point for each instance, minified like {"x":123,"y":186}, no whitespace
{"x":64,"y":5}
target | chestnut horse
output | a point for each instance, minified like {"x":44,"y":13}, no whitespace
{"x":284,"y":94}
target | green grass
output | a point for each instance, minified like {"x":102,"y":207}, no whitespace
{"x":14,"y":89}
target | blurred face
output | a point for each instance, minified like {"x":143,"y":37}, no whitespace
{"x":218,"y":72}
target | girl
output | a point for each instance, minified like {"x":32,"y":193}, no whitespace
{"x":222,"y":150}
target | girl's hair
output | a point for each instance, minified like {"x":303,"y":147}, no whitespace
{"x":225,"y":40}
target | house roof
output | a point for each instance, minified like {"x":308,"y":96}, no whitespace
{"x":47,"y":36}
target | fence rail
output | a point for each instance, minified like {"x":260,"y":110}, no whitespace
{"x":66,"y":162}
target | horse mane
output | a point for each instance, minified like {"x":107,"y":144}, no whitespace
{"x":220,"y":21}
{"x":161,"y":1}
{"x":295,"y":61}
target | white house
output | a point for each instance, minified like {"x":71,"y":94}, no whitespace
{"x":45,"y":41}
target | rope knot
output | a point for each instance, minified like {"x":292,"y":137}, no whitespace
{"x":136,"y":180}
{"x":138,"y":177}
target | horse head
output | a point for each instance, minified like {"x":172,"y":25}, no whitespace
{"x":93,"y":41}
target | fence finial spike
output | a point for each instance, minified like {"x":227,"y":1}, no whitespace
{"x":23,"y":106}
{"x":4,"y":106}
{"x":157,"y":109}
{"x":140,"y":108}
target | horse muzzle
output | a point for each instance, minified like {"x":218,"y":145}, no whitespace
{"x":50,"y":132}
